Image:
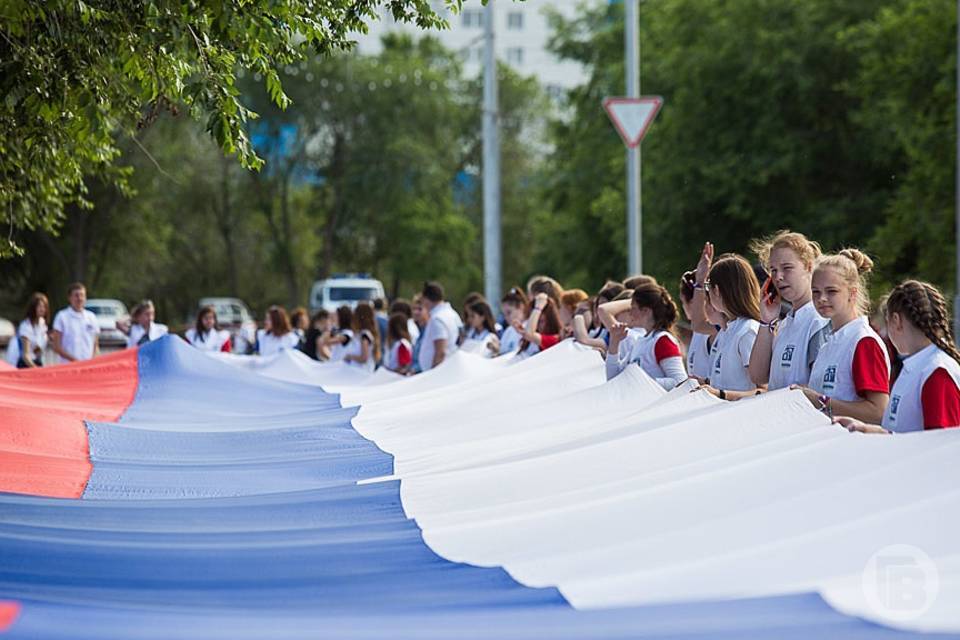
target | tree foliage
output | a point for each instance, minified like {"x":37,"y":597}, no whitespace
{"x":78,"y":75}
{"x":833,"y":117}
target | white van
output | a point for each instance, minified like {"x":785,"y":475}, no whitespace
{"x":344,"y":289}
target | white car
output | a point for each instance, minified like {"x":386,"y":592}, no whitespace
{"x":109,"y":312}
{"x":234,"y":316}
{"x":344,"y":289}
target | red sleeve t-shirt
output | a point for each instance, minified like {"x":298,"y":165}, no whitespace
{"x":547,"y":340}
{"x":226,"y":346}
{"x":404,"y":357}
{"x":666,"y":348}
{"x":940,"y":399}
{"x":870,"y":370}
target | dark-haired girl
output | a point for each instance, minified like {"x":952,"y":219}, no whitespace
{"x":657,"y":351}
{"x":926,"y":394}
{"x":206,"y":334}
{"x":364,"y":352}
{"x":588,"y":328}
{"x":277,"y":335}
{"x":542,"y":330}
{"x":25,"y":350}
{"x":514,"y":306}
{"x":481,"y":329}
{"x":399,"y":355}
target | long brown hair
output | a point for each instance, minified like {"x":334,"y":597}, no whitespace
{"x":658,"y":300}
{"x":549,"y":323}
{"x":31,"y":311}
{"x":482,"y":309}
{"x":925,"y":307}
{"x":738,"y":286}
{"x":279,"y":321}
{"x":364,"y":319}
{"x":199,"y":325}
{"x":397,"y":328}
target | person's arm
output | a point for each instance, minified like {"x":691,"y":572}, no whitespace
{"x":55,"y":339}
{"x":439,"y":352}
{"x":762,"y":354}
{"x":96,"y":345}
{"x":612,"y":362}
{"x":580,"y":335}
{"x":530,"y":333}
{"x":853,"y":425}
{"x":26,"y":352}
{"x":676,"y":372}
{"x":731,"y":395}
{"x":698,"y":306}
{"x":870,"y":409}
{"x":609,"y":311}
{"x":493,"y":344}
{"x":364,"y":354}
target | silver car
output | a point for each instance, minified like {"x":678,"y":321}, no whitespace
{"x":109,"y":312}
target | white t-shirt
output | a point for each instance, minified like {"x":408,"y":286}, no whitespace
{"x":795,"y":347}
{"x":413,"y":330}
{"x":137,"y":333}
{"x":270,"y":344}
{"x":392,"y":358}
{"x":338,"y":350}
{"x":445,"y":324}
{"x":731,"y":355}
{"x":36,"y":334}
{"x":210,"y":340}
{"x":510,"y":340}
{"x":78,"y":332}
{"x":905,"y":409}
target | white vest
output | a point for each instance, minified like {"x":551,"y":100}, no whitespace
{"x":510,"y":340}
{"x":392,"y":359}
{"x":355,"y":348}
{"x":644,"y":353}
{"x":698,"y":356}
{"x":788,"y":363}
{"x":832,"y":373}
{"x":727,"y":371}
{"x":155,"y":332}
{"x":905,"y":410}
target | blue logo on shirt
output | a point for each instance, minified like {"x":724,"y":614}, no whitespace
{"x":894,"y":405}
{"x":716,"y":367}
{"x":787,"y":358}
{"x":830,"y":377}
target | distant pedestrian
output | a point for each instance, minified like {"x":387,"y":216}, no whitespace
{"x":206,"y":334}
{"x":276,"y":335}
{"x":443,"y":330}
{"x":144,"y":329}
{"x":76,"y":334}
{"x":399,"y":355}
{"x":25,"y":350}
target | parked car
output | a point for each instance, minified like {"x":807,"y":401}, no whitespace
{"x":344,"y":289}
{"x":234,"y":316}
{"x":7,"y":331}
{"x":109,"y":312}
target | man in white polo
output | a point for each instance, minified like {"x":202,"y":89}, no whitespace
{"x":75,"y":334}
{"x":442,"y":331}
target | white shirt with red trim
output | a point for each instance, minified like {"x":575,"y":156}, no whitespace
{"x":399,"y":355}
{"x":659,"y":355}
{"x":905,"y":411}
{"x":832,"y":374}
{"x":210,"y":340}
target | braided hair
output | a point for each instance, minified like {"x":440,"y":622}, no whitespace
{"x":926,"y":309}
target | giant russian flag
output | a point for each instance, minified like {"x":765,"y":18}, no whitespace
{"x":165,"y":493}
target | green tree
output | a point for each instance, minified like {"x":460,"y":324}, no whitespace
{"x":78,"y":76}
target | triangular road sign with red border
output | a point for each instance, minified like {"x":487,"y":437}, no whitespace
{"x":632,"y":116}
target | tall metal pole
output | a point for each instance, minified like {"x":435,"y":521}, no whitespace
{"x":491,"y":164}
{"x":634,"y":204}
{"x":956,"y":296}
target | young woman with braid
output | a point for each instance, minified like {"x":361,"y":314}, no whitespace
{"x":657,"y":351}
{"x":851,"y":375}
{"x":926,"y":394}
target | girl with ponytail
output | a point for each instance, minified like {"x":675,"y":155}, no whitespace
{"x":851,"y":375}
{"x":657,"y":351}
{"x":926,"y":394}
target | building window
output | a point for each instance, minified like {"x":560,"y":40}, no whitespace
{"x":515,"y":55}
{"x":515,"y":20}
{"x":472,"y":18}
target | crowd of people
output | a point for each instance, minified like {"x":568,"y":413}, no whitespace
{"x":797,"y":318}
